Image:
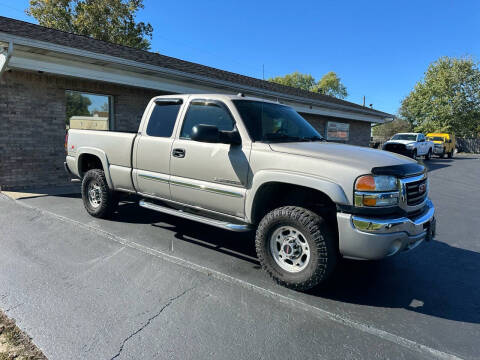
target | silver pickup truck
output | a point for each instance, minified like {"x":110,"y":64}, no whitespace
{"x":242,"y":163}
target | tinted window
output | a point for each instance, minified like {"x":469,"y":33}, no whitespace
{"x":274,"y":122}
{"x":404,"y":137}
{"x":163,"y":119}
{"x":207,"y":113}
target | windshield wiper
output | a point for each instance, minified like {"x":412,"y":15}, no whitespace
{"x":281,"y":137}
{"x":312,"y":138}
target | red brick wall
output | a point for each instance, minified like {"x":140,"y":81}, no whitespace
{"x":359,"y":130}
{"x":32,"y":124}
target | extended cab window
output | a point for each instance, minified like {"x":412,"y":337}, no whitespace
{"x":163,"y":118}
{"x":207,"y":113}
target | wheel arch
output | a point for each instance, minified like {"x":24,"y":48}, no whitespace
{"x":267,"y":185}
{"x":92,"y":158}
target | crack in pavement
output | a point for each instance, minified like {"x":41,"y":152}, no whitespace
{"x":149,"y":321}
{"x":14,"y":307}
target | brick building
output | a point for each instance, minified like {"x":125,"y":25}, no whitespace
{"x":46,"y":73}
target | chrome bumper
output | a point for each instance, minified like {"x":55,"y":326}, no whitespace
{"x":372,"y":238}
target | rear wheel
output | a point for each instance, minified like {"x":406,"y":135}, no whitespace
{"x":296,"y":247}
{"x":98,"y":199}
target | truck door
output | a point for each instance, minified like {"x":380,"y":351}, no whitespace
{"x":152,"y":170}
{"x":211,"y":176}
{"x":422,"y":145}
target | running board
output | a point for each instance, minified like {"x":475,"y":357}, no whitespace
{"x":205,"y":220}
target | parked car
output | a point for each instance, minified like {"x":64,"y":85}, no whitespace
{"x":241,"y":163}
{"x":413,"y":145}
{"x":444,"y":144}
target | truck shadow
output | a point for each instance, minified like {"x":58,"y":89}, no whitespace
{"x":435,"y":279}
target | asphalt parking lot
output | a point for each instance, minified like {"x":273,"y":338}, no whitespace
{"x":146,"y":285}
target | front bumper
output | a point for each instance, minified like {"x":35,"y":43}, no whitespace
{"x":403,"y":151}
{"x":375,"y":238}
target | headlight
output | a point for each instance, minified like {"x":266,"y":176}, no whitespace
{"x":410,"y":146}
{"x":376,"y":191}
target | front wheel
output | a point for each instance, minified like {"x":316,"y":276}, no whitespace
{"x":429,"y":155}
{"x":414,"y":155}
{"x":450,"y":154}
{"x":98,"y":199}
{"x":296,"y":247}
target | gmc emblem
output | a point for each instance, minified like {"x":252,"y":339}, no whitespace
{"x":422,"y":188}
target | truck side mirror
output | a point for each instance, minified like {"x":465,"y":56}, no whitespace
{"x":205,"y":133}
{"x":211,"y":134}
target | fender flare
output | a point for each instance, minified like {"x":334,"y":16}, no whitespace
{"x":103,"y":159}
{"x":334,"y":191}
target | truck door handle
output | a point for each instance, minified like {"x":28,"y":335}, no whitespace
{"x":180,"y":153}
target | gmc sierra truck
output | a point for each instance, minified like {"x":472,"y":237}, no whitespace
{"x":241,"y":163}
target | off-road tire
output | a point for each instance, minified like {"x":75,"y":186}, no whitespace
{"x":108,"y":198}
{"x":429,"y":155}
{"x":414,"y":154}
{"x":321,"y":241}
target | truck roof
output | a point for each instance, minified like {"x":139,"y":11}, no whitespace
{"x":219,"y":97}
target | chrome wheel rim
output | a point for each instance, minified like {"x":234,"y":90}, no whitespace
{"x":290,"y":249}
{"x":94,"y":194}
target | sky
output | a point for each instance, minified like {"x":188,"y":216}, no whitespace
{"x":378,"y":48}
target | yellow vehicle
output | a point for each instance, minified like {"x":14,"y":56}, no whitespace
{"x":444,"y":144}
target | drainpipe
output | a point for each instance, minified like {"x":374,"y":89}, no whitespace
{"x":5,"y":56}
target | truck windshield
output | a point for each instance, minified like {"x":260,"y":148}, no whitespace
{"x":269,"y":122}
{"x":435,"y":138}
{"x":404,"y":137}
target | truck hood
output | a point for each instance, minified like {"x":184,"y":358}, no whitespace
{"x":362,"y":158}
{"x":404,"y":142}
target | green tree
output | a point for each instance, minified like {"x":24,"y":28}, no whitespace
{"x":77,"y":105}
{"x":108,"y":20}
{"x":447,"y":99}
{"x":297,"y":80}
{"x":391,"y":128}
{"x":329,"y":84}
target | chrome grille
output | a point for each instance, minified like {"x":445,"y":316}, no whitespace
{"x":416,"y":192}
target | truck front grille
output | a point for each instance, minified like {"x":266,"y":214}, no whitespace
{"x":416,"y":192}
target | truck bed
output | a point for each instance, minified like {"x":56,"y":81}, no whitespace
{"x":117,"y":147}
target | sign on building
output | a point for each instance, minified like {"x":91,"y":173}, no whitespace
{"x":338,"y":131}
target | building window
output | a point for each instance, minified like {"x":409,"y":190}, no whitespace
{"x":88,"y":111}
{"x":338,"y":131}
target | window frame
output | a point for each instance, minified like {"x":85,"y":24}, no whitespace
{"x":220,"y":104}
{"x":111,"y":106}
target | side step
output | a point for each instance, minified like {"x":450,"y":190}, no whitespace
{"x":213,"y":222}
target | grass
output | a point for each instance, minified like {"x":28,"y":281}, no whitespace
{"x":15,"y":344}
